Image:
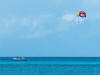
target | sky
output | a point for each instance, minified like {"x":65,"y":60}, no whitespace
{"x":48,"y":28}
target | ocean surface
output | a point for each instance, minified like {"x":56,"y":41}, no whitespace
{"x":50,"y":66}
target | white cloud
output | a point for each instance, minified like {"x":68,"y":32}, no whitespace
{"x":8,"y":22}
{"x":6,"y":26}
{"x":25,"y":27}
{"x":25,"y":21}
{"x":66,"y":22}
{"x":68,"y":17}
{"x":40,"y":26}
{"x":36,"y":34}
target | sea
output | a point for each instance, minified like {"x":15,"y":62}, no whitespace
{"x":50,"y":66}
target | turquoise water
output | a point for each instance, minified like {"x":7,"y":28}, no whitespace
{"x":50,"y":66}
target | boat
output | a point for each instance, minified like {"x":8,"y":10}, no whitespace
{"x":19,"y":59}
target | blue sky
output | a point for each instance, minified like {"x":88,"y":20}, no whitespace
{"x":48,"y":28}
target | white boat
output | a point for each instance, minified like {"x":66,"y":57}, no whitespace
{"x":19,"y":59}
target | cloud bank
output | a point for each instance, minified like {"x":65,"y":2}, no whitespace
{"x":68,"y":17}
{"x":37,"y":27}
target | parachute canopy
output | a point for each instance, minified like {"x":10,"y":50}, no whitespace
{"x":81,"y":14}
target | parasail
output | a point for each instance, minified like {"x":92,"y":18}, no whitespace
{"x":81,"y":16}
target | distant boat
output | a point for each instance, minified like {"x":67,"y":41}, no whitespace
{"x":19,"y":59}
